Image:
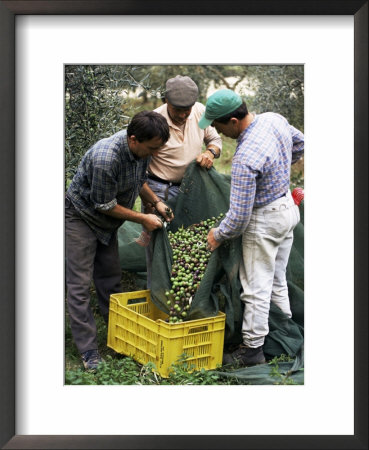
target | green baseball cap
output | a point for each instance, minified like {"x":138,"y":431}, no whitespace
{"x":219,"y":104}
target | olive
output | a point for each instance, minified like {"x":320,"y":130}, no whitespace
{"x":190,"y":259}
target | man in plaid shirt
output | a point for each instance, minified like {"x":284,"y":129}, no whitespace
{"x":111,"y":175}
{"x":261,"y":210}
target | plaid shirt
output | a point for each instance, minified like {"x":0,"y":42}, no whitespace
{"x":109,"y":174}
{"x":261,"y":169}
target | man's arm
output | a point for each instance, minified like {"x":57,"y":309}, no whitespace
{"x":298,"y":141}
{"x":149,"y":221}
{"x":148,"y":196}
{"x":243,"y":189}
{"x":213,"y":150}
{"x":206,"y":159}
{"x":212,"y":139}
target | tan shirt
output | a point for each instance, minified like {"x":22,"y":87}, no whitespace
{"x":182,"y":147}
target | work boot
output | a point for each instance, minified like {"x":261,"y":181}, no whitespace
{"x":91,"y":359}
{"x":245,"y":356}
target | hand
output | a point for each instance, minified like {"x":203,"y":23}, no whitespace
{"x":148,"y":208}
{"x":212,"y":243}
{"x":205,"y":160}
{"x":151,"y":222}
{"x":165,"y":211}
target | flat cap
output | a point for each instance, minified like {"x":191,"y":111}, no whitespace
{"x":181,"y":91}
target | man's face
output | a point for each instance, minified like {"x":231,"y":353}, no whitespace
{"x":229,"y":129}
{"x":146,"y":148}
{"x":178,"y":115}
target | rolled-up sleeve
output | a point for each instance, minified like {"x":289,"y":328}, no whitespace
{"x":298,"y":144}
{"x":212,"y":137}
{"x":103,"y":189}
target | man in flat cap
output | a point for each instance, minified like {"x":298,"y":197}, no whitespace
{"x":167,"y":168}
{"x":182,"y":112}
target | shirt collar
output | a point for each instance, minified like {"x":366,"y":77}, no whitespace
{"x":243,"y":134}
{"x":126,"y":148}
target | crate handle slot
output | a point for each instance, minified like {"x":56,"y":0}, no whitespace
{"x":131,"y":298}
{"x":133,"y":301}
{"x":199,"y":329}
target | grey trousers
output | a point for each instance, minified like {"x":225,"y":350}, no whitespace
{"x":87,"y":260}
{"x":266,"y":247}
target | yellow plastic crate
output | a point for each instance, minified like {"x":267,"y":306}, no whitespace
{"x":137,"y":328}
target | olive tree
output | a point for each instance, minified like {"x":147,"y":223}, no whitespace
{"x":101,"y":99}
{"x":98,"y":103}
{"x":279,"y":89}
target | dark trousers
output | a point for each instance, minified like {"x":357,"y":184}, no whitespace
{"x":88,"y":259}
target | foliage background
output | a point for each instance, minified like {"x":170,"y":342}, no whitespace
{"x":101,"y":99}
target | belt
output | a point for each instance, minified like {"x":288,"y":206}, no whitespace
{"x":277,"y":198}
{"x":282,"y":195}
{"x":160,"y":180}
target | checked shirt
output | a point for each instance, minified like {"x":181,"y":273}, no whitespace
{"x":109,"y":174}
{"x":261,"y":169}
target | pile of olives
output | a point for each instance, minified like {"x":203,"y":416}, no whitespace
{"x":190,"y":258}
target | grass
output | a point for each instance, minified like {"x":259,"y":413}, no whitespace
{"x":122,"y":370}
{"x":223,"y":164}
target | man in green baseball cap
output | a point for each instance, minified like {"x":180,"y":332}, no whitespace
{"x":218,"y":105}
{"x":261,"y":210}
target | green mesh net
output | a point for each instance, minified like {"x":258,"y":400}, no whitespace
{"x":132,"y":256}
{"x":204,"y":194}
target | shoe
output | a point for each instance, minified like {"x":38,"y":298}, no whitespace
{"x":91,"y":359}
{"x":245,"y":356}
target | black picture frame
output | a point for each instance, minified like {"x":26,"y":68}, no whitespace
{"x":8,"y":11}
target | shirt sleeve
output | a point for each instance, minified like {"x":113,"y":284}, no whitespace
{"x":212,"y":137}
{"x":298,"y":142}
{"x":103,"y":189}
{"x":243,"y":190}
